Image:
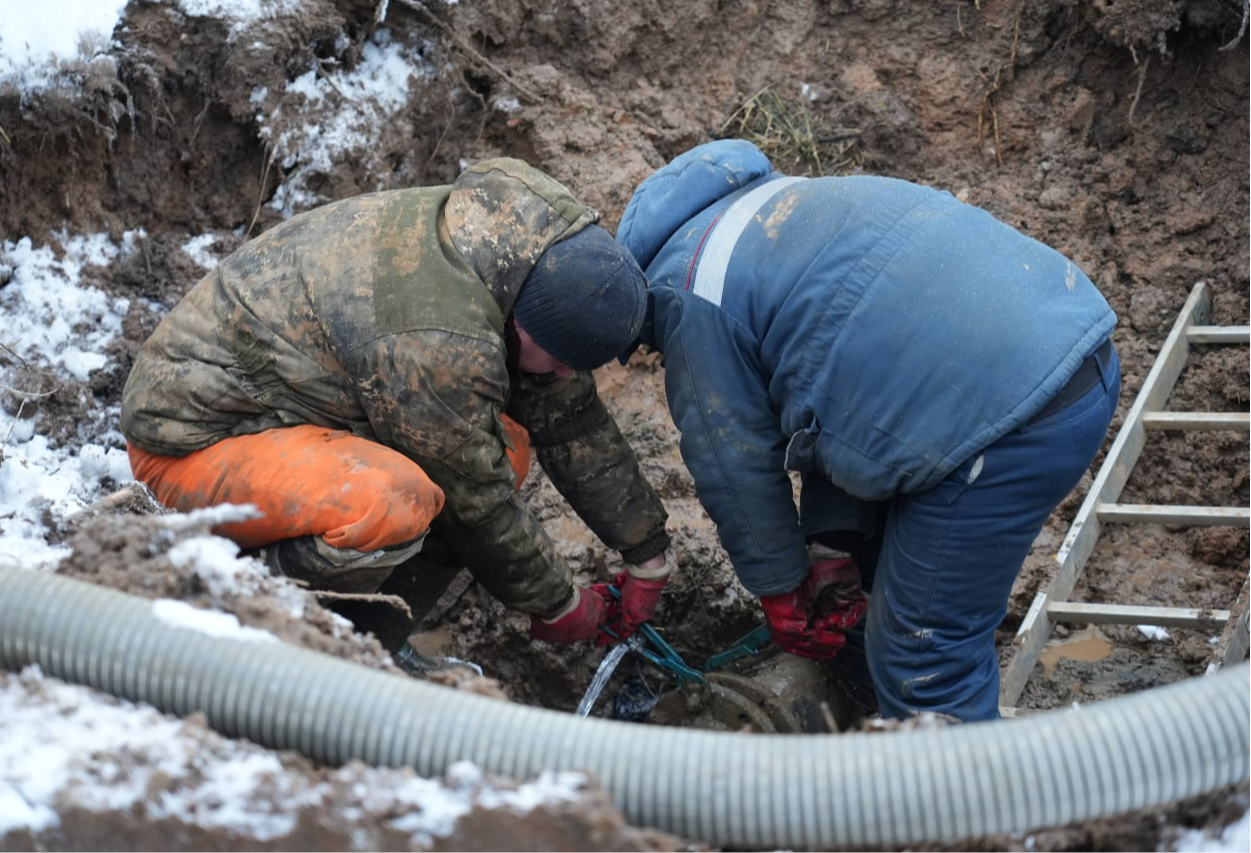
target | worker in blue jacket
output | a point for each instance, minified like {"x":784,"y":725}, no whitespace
{"x":939,"y":380}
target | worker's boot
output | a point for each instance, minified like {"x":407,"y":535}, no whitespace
{"x":423,"y":578}
{"x":421,"y":581}
{"x":412,"y":588}
{"x":348,"y":582}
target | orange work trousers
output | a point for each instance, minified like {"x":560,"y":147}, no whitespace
{"x":308,"y":480}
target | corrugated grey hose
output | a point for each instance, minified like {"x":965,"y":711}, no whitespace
{"x":759,"y":791}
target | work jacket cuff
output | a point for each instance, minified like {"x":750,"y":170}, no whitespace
{"x":652,"y":546}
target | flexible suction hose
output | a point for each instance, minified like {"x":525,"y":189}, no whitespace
{"x":760,"y":791}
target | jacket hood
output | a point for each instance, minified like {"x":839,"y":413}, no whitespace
{"x":676,"y":192}
{"x":502,"y":215}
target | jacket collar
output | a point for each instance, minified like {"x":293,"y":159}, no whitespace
{"x":502,"y":215}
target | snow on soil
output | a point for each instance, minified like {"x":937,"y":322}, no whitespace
{"x":43,"y":42}
{"x":54,"y":320}
{"x":35,"y":38}
{"x":1236,"y":836}
{"x":62,"y":746}
{"x":349,"y":107}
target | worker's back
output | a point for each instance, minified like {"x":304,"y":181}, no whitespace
{"x":893,"y":329}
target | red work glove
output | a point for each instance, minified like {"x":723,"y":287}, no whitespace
{"x":580,"y":621}
{"x":809,"y":621}
{"x":640,"y":593}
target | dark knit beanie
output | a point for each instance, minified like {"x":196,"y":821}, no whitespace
{"x":584,"y":300}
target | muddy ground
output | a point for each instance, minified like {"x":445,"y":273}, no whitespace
{"x":1116,"y":132}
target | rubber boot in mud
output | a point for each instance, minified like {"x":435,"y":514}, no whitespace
{"x":422,"y":579}
{"x":348,"y":582}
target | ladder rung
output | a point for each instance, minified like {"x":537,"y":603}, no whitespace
{"x":1132,"y":614}
{"x":1218,"y":334}
{"x":1233,"y":421}
{"x":1194,"y":516}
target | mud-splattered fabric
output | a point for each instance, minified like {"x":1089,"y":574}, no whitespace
{"x":384,"y":315}
{"x":305,"y":480}
{"x":871,"y":330}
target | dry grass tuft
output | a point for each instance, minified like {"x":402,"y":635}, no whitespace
{"x":796,"y":139}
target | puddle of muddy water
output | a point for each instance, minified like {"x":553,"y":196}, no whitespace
{"x":1088,"y":645}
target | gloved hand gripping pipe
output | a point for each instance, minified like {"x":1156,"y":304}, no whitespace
{"x":760,"y":791}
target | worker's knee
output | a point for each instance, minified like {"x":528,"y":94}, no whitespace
{"x":379,"y":505}
{"x":357,"y":494}
{"x":914,"y":674}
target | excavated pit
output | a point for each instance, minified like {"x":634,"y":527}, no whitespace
{"x":1114,"y":132}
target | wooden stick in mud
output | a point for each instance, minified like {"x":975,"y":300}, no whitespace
{"x":469,"y":49}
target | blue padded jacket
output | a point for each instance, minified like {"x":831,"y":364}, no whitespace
{"x":873,"y":330}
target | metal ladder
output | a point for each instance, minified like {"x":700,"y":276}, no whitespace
{"x":1100,"y":506}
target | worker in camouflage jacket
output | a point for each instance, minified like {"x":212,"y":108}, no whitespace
{"x":938,"y":380}
{"x":378,"y":368}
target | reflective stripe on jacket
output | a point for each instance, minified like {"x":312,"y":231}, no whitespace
{"x":870,"y":329}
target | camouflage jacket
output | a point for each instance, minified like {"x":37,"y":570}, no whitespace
{"x":384,"y":314}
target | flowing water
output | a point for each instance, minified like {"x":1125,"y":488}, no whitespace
{"x":606,"y":668}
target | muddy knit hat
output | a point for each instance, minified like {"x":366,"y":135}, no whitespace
{"x":584,"y":300}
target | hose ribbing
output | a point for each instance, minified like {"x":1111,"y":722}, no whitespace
{"x":761,"y":791}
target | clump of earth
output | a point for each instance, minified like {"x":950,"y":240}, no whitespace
{"x":1116,"y":133}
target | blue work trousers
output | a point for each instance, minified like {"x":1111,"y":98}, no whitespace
{"x":946,"y":559}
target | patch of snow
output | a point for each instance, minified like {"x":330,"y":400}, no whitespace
{"x":1236,"y":836}
{"x":339,"y":112}
{"x":50,"y":317}
{"x":1153,"y":632}
{"x":214,"y":623}
{"x":224,"y":574}
{"x":233,"y":10}
{"x":56,"y":324}
{"x":549,"y":787}
{"x":216,"y":802}
{"x":217,"y":563}
{"x":37,"y":478}
{"x":37,"y":38}
{"x":69,"y":746}
{"x":60,"y":737}
{"x":211,"y":516}
{"x":441,"y":805}
{"x":197,"y":248}
{"x":239,"y":13}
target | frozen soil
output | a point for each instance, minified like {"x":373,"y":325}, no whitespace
{"x":1115,"y":132}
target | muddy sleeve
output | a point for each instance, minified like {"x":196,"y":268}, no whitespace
{"x":437,"y":400}
{"x":732,"y":443}
{"x":589,"y":461}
